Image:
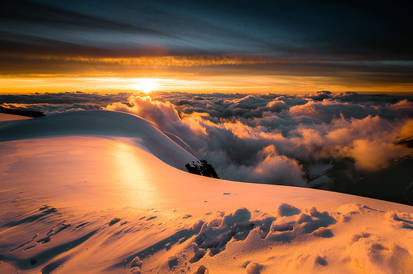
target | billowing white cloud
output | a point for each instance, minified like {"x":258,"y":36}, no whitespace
{"x":280,"y":135}
{"x":271,"y":138}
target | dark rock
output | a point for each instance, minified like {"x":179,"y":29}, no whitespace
{"x":202,"y":168}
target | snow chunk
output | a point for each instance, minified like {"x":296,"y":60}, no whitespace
{"x":254,"y":268}
{"x":288,"y":210}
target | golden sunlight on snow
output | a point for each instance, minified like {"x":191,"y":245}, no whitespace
{"x":89,"y":202}
{"x":132,"y":173}
{"x":110,"y":205}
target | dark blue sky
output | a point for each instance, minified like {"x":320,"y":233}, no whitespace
{"x":340,"y":38}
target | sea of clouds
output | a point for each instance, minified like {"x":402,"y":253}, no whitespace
{"x":275,"y":139}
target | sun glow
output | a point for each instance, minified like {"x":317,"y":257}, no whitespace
{"x":145,"y":85}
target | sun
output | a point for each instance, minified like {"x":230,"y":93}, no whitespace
{"x":145,"y":85}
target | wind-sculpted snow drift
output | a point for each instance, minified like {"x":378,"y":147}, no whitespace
{"x":79,"y":197}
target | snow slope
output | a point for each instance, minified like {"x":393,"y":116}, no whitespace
{"x":93,"y":195}
{"x":100,"y":123}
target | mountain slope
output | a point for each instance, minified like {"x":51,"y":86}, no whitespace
{"x":75,"y":200}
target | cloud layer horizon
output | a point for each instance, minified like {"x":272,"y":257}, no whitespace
{"x":274,"y":139}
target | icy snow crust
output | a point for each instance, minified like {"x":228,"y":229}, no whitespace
{"x":101,"y":192}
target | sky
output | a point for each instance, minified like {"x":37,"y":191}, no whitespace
{"x":205,"y":46}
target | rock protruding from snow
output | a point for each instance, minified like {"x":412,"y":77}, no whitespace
{"x":201,"y":167}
